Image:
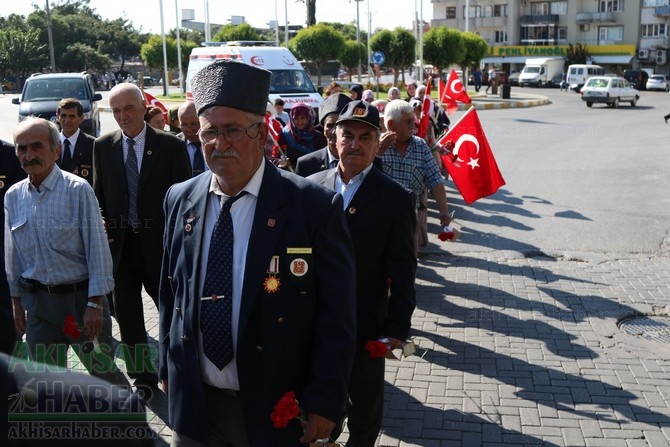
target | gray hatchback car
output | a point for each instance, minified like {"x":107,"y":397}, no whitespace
{"x":42,"y":93}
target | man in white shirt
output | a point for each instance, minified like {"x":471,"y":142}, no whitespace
{"x":190,"y":125}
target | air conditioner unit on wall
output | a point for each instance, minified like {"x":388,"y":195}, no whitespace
{"x":660,"y":53}
{"x":643,"y":53}
{"x":660,"y":60}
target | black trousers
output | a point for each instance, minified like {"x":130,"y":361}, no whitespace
{"x":366,"y":392}
{"x":134,"y":273}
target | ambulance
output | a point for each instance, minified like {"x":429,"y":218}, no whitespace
{"x":289,"y":82}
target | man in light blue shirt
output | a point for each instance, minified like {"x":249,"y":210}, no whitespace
{"x":58,"y":262}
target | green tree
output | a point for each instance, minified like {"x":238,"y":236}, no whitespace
{"x":120,"y":40}
{"x":152,"y":52}
{"x":22,"y":52}
{"x":231,"y":32}
{"x":398,"y":48}
{"x":402,"y":52}
{"x":577,"y":54}
{"x":80,"y":56}
{"x":318,"y":44}
{"x":443,"y":47}
{"x":353,"y":54}
{"x":475,"y":49}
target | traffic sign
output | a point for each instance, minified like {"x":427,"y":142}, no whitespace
{"x":378,"y":58}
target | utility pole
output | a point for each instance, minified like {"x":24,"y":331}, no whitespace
{"x":51,"y":39}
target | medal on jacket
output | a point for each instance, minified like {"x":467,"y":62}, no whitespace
{"x":272,"y":283}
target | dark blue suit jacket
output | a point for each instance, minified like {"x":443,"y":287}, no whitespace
{"x":381,"y":221}
{"x":300,"y":338}
{"x":10,"y":172}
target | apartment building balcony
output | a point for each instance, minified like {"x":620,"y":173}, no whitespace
{"x":662,"y":11}
{"x":596,"y":17}
{"x":539,"y":19}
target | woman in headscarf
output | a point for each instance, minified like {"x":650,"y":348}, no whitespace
{"x":299,"y":136}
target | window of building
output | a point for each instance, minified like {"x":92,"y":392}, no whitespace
{"x":500,"y":37}
{"x":488,"y":11}
{"x":612,"y":33}
{"x":654,"y":3}
{"x":562,"y":33}
{"x":610,"y":5}
{"x":655,"y":30}
{"x":451,"y":12}
{"x":539,"y":8}
{"x":560,"y":8}
{"x":500,"y":10}
{"x":475,"y":11}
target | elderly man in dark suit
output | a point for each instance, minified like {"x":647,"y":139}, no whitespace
{"x":324,"y":158}
{"x":77,"y":147}
{"x":133,"y":168}
{"x":189,"y":125}
{"x":10,"y":173}
{"x":257,"y":292}
{"x":380,"y":218}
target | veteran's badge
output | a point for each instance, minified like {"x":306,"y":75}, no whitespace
{"x":271,"y":283}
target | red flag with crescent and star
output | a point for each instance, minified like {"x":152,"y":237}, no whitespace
{"x":151,"y":100}
{"x":426,"y":110}
{"x":467,"y":155}
{"x":453,"y":91}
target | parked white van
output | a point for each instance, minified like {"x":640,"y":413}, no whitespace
{"x":578,"y":74}
{"x":290,"y":81}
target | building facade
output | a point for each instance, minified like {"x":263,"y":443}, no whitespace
{"x":618,"y":34}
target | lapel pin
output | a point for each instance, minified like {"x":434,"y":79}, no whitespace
{"x":271,"y":223}
{"x":188,"y":227}
{"x":352,"y":210}
{"x":149,"y":152}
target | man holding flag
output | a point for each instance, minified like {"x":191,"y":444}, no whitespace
{"x":410,"y":162}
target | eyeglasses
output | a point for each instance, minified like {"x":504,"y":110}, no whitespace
{"x":231,"y":134}
{"x":189,"y":126}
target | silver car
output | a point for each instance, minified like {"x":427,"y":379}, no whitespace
{"x":658,"y":82}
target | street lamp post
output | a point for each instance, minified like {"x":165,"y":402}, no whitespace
{"x":358,"y":38}
{"x":165,"y":66}
{"x":51,"y":40}
{"x":181,"y":74}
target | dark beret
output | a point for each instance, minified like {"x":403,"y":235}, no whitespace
{"x":333,"y":104}
{"x":232,"y":84}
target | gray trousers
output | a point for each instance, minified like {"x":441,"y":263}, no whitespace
{"x":48,"y":344}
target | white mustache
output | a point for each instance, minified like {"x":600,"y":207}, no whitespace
{"x":228,"y":153}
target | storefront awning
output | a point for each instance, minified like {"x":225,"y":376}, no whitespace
{"x":612,"y":59}
{"x":505,"y":60}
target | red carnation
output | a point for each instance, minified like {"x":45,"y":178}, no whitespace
{"x":70,"y":328}
{"x":376,"y":348}
{"x":286,"y":409}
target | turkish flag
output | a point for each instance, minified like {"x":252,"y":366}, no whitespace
{"x":468,"y":158}
{"x":454,"y":89}
{"x":151,"y":100}
{"x":274,"y":127}
{"x":426,"y":110}
{"x":450,"y":103}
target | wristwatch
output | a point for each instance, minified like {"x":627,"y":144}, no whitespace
{"x":94,"y":305}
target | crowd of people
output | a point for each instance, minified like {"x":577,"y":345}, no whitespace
{"x":272,"y":282}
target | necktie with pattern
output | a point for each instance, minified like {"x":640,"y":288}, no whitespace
{"x":67,"y":156}
{"x":132,"y":178}
{"x":216,"y":314}
{"x":198,"y":160}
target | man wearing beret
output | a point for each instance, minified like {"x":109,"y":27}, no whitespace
{"x":257,"y":294}
{"x":325,"y":158}
{"x":380,"y":218}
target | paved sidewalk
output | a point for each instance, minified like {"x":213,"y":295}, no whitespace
{"x":517,"y":350}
